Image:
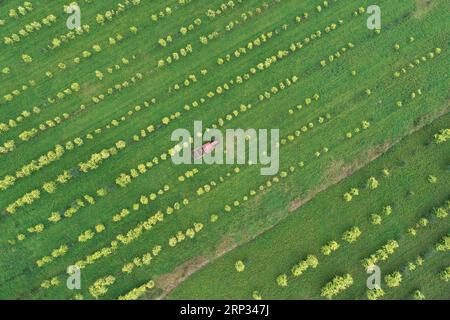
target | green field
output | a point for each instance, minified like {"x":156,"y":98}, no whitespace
{"x":86,"y":119}
{"x":406,"y":190}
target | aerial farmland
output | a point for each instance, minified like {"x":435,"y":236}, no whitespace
{"x":226,"y":150}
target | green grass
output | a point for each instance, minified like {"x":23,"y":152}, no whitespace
{"x":327,"y":216}
{"x":342,"y":96}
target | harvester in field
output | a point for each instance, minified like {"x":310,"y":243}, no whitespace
{"x":207,"y":148}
